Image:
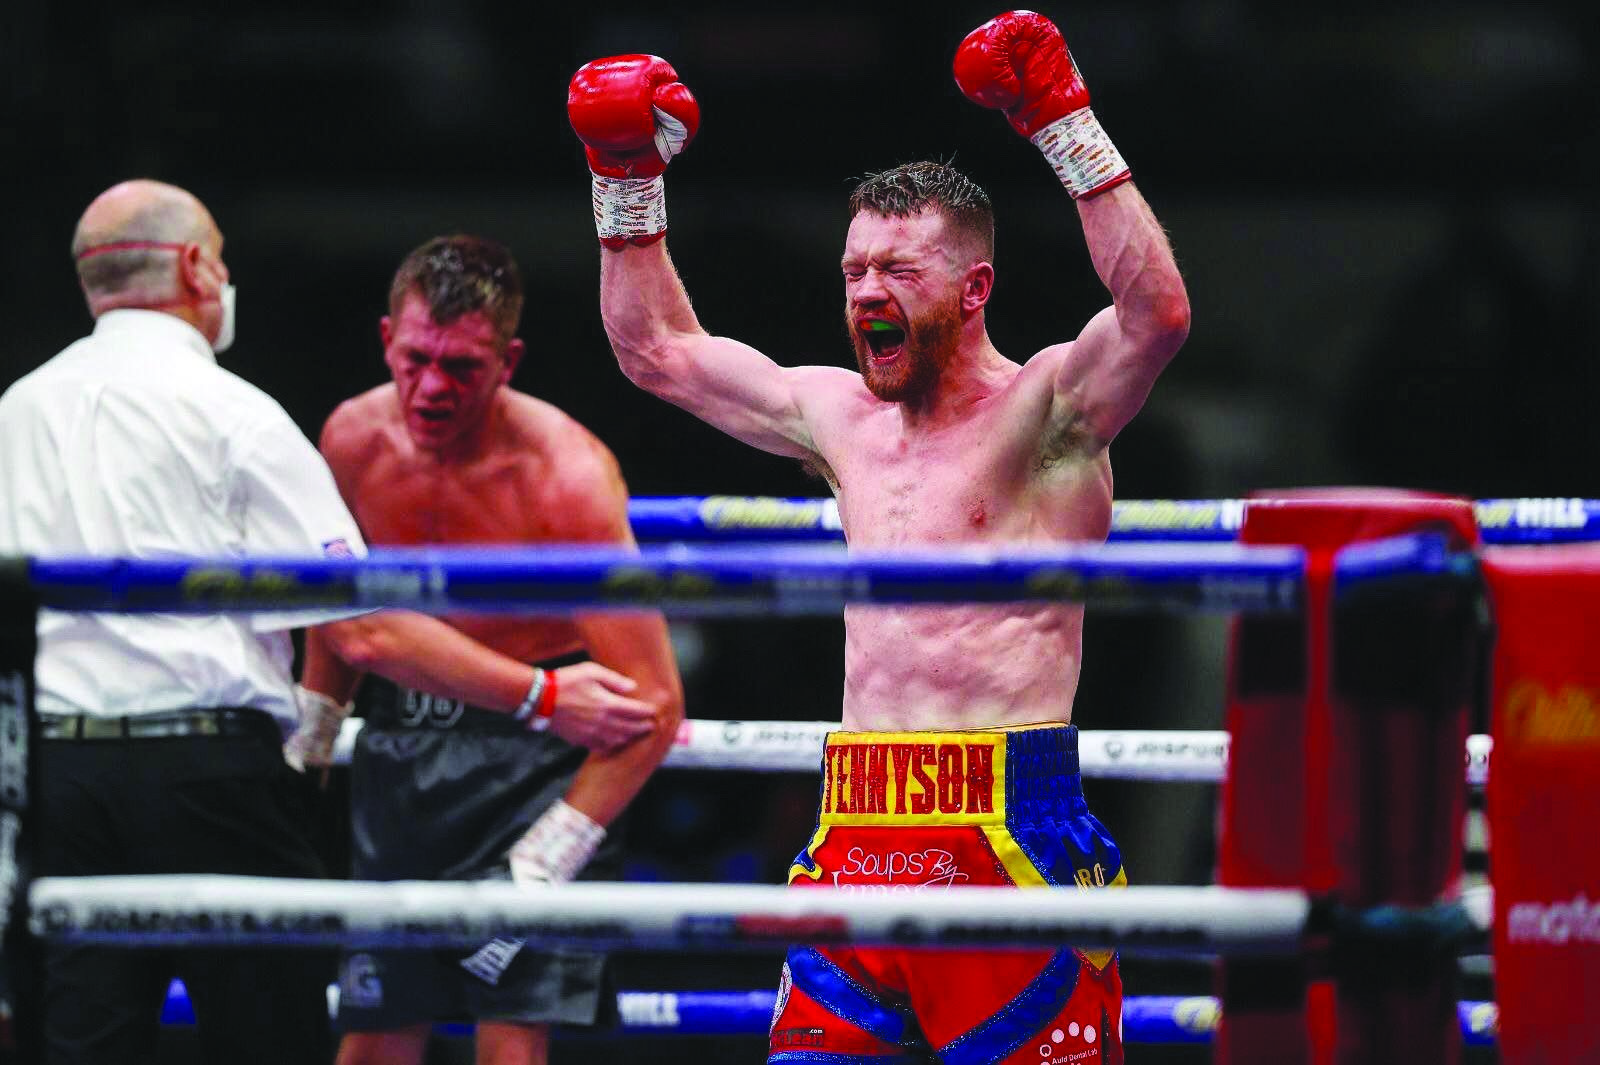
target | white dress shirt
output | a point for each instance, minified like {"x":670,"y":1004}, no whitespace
{"x":134,"y":443}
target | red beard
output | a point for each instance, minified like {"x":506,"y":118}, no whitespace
{"x":929,"y":345}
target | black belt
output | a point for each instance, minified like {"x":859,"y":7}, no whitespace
{"x":163,"y":725}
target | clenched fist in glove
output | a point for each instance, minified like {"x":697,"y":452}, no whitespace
{"x":633,"y":115}
{"x":1018,"y":63}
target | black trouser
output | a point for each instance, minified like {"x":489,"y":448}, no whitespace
{"x":192,"y":804}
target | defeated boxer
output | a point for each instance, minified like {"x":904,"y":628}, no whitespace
{"x":515,"y":757}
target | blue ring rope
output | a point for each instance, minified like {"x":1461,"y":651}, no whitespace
{"x":1425,"y":555}
{"x":1145,"y":1019}
{"x":722,"y":518}
{"x":686,"y":579}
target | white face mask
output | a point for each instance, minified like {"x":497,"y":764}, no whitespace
{"x":230,"y":299}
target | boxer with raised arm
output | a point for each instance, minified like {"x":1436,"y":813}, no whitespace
{"x":960,"y":763}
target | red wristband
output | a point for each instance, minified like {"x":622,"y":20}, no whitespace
{"x":547,"y":698}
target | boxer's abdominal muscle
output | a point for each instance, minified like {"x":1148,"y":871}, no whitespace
{"x":963,"y":666}
{"x":960,"y":667}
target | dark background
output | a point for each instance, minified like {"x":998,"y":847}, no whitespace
{"x":1386,"y":214}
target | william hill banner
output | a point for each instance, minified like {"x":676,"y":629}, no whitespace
{"x":1544,"y":797}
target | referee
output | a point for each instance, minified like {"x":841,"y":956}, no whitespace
{"x":161,"y":735}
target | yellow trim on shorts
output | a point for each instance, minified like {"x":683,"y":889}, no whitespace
{"x":800,"y":872}
{"x":1101,"y":958}
{"x":1017,"y":864}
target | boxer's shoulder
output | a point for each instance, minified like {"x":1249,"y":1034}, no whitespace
{"x":535,"y":426}
{"x":832,"y":382}
{"x":361,"y":427}
{"x":833,"y":398}
{"x":1044,"y":364}
{"x":560,"y":460}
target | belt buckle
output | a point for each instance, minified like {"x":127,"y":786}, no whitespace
{"x":58,"y":726}
{"x":176,"y":725}
{"x":90,"y":727}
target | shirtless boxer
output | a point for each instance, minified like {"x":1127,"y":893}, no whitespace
{"x":442,"y":788}
{"x":938,"y":439}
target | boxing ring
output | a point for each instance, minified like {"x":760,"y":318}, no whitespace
{"x":772,"y":557}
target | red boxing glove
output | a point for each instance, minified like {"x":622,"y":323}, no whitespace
{"x":1018,"y":63}
{"x":633,"y":115}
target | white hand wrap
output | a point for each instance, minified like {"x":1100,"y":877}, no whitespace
{"x":556,"y":848}
{"x":1081,"y":154}
{"x":318,"y":730}
{"x":629,"y":207}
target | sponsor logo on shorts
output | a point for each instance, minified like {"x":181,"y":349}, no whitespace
{"x":915,"y":779}
{"x":797,"y":1037}
{"x":785,"y":985}
{"x":1093,"y":876}
{"x":1555,"y":924}
{"x":895,"y":871}
{"x":421,"y":709}
{"x":359,"y":984}
{"x":1072,"y":1043}
{"x":490,"y":961}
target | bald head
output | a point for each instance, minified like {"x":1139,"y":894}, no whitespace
{"x":138,"y":211}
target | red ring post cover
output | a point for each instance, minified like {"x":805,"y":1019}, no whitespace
{"x":1544,"y":795}
{"x":1288,"y":814}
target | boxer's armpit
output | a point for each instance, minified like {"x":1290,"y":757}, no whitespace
{"x":1066,"y":439}
{"x":815,"y":466}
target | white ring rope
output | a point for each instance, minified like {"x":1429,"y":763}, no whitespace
{"x":237,"y":911}
{"x":796,"y":747}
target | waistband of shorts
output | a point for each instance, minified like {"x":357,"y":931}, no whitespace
{"x":387,"y":705}
{"x":950,"y":778}
{"x":161,"y":725}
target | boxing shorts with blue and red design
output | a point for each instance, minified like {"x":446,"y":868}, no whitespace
{"x":910,"y":812}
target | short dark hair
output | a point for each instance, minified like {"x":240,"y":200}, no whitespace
{"x":458,"y":275}
{"x":916,"y":187}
